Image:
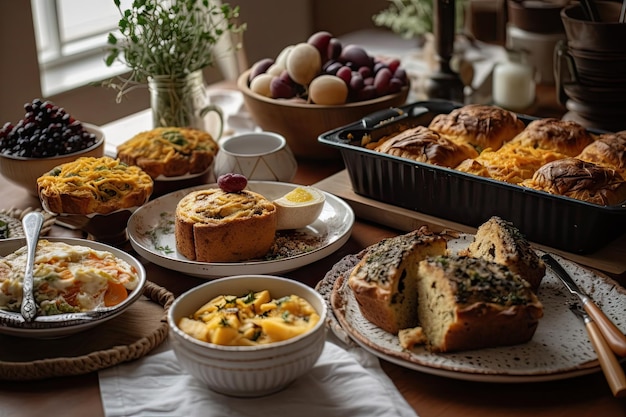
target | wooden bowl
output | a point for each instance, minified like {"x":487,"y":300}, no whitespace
{"x":301,"y":123}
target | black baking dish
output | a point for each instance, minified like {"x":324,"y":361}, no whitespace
{"x":556,"y":221}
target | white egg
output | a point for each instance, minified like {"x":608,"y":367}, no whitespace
{"x":299,"y":207}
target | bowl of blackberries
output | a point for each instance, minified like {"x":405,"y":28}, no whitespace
{"x":46,"y":137}
{"x":318,"y":85}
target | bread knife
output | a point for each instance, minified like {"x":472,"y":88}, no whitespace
{"x":613,"y":336}
{"x":613,"y":371}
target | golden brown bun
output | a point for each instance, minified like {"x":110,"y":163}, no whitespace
{"x":216,"y":226}
{"x":498,"y":240}
{"x":564,"y":136}
{"x":470,"y":303}
{"x":479,"y":125}
{"x":425,"y":145}
{"x":608,"y":150}
{"x":581,"y":180}
{"x":472,"y":166}
{"x":383,"y":282}
{"x":169,"y":151}
{"x":93,"y":185}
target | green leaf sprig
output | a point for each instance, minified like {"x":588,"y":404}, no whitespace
{"x":168,"y":38}
{"x":413,"y":18}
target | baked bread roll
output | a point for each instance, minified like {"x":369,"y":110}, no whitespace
{"x":563,"y":136}
{"x":169,"y":151}
{"x":472,"y":166}
{"x":479,"y":125}
{"x":499,"y":241}
{"x":383,"y":282}
{"x":575,"y":178}
{"x":608,"y":150}
{"x":469,"y":303}
{"x":424,"y":145}
{"x":91,"y":185}
{"x":213,"y":225}
{"x":510,"y":163}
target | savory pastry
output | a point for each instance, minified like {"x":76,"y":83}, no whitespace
{"x":575,"y":178}
{"x":608,"y":150}
{"x":67,"y":278}
{"x":169,"y":151}
{"x":424,"y":145}
{"x":517,"y":160}
{"x":472,"y":166}
{"x":498,"y":240}
{"x":214,"y":225}
{"x":512,"y":164}
{"x":93,"y":185}
{"x":481,"y":126}
{"x":469,"y":303}
{"x":563,"y":136}
{"x":411,"y":337}
{"x":383,"y":282}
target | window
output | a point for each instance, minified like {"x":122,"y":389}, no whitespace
{"x":71,"y":36}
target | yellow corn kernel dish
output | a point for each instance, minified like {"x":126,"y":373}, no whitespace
{"x":251,"y":319}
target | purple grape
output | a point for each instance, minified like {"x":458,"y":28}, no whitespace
{"x":232,"y":183}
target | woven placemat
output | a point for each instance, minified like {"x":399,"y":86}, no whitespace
{"x":17,"y":215}
{"x":131,"y":335}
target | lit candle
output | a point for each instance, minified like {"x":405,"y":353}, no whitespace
{"x":513,"y":85}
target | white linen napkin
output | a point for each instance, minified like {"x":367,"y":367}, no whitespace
{"x":343,"y":382}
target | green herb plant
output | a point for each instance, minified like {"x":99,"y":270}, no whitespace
{"x":172,"y":38}
{"x":413,"y":18}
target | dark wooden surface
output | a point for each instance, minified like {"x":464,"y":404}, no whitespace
{"x":429,"y":395}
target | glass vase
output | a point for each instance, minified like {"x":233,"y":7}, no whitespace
{"x":183,"y":102}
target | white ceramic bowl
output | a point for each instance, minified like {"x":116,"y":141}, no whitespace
{"x":247,"y":371}
{"x":25,"y":171}
{"x":60,"y":325}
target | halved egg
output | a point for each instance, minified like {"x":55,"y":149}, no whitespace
{"x":299,"y":207}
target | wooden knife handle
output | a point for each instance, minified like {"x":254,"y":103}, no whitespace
{"x":613,"y":336}
{"x":612,"y":369}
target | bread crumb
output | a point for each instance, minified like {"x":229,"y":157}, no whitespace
{"x":411,"y":337}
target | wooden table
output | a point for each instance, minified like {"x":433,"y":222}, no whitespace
{"x":429,"y":395}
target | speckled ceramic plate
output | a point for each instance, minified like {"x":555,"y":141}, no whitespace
{"x":559,"y":349}
{"x":151,"y":233}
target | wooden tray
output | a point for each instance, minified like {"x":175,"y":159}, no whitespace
{"x":608,"y":259}
{"x":131,"y":335}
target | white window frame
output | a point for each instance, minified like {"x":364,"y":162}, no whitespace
{"x":74,"y":64}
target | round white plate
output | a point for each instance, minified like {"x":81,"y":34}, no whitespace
{"x":151,"y":233}
{"x":559,"y":349}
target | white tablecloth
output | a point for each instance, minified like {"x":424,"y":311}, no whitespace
{"x":344,"y":382}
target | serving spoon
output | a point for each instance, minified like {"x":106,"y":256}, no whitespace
{"x":32,"y":223}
